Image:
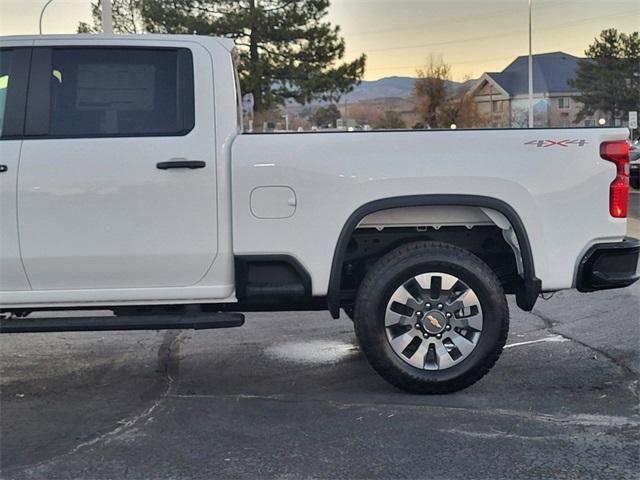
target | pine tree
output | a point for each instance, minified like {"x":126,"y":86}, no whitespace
{"x":609,"y":79}
{"x":287,"y":50}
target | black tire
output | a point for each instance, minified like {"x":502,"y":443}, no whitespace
{"x":393,"y":270}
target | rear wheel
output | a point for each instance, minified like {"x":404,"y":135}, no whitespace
{"x":431,"y":317}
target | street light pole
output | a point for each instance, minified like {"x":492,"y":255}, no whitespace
{"x":530,"y":70}
{"x":107,"y":17}
{"x":42,"y":14}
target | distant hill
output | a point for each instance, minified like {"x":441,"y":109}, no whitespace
{"x":388,"y":87}
{"x":389,"y":93}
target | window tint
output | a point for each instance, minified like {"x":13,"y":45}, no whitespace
{"x":101,"y":92}
{"x":5,"y":72}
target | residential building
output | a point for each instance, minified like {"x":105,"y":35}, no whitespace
{"x":503,"y":97}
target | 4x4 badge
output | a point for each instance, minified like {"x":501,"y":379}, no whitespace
{"x":557,"y":143}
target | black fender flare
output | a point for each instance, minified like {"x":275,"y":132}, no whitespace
{"x":527,"y":292}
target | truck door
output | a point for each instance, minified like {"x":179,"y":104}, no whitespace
{"x":117,"y":184}
{"x":14,"y":68}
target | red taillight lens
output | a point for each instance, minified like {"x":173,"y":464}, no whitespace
{"x":618,"y":153}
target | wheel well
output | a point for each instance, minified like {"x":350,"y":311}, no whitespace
{"x":367,"y":245}
{"x":485,"y":226}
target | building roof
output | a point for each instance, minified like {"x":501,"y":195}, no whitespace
{"x":551,"y":72}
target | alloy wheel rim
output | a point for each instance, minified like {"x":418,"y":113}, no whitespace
{"x":433,"y":321}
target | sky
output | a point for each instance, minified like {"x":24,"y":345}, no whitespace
{"x":399,"y":36}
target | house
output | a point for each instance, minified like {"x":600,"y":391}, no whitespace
{"x":503,"y":97}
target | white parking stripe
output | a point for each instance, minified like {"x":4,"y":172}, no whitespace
{"x":555,"y":338}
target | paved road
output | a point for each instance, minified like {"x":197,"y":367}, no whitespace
{"x":290,"y":396}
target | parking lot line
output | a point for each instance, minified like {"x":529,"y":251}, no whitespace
{"x":555,"y":338}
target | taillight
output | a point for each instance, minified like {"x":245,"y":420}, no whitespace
{"x":618,"y":153}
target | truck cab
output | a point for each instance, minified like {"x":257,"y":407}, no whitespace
{"x":116,"y":171}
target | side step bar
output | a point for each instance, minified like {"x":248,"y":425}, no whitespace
{"x":192,"y":321}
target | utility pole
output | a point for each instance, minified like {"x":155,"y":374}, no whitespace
{"x":107,"y":17}
{"x":530,"y":70}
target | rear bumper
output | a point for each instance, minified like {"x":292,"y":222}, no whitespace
{"x":609,"y":265}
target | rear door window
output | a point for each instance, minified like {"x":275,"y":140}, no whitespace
{"x":112,"y":92}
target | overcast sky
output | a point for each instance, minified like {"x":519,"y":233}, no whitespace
{"x":398,"y":36}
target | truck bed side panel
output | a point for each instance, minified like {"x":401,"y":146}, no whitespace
{"x":560,"y":190}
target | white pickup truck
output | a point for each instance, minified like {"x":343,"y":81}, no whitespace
{"x":126,"y":184}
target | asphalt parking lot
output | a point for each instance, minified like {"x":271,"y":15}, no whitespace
{"x":290,"y":396}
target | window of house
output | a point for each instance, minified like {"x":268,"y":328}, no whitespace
{"x":498,"y":106}
{"x":98,"y":92}
{"x":564,"y":103}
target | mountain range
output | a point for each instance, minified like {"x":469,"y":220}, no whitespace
{"x":388,"y":87}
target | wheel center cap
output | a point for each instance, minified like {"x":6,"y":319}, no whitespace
{"x":434,"y":322}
